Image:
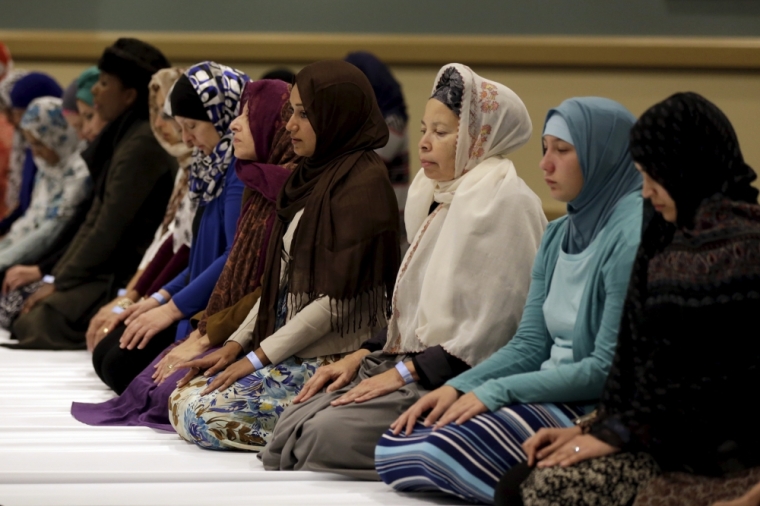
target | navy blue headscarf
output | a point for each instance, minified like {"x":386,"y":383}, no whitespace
{"x":387,"y":89}
{"x":34,"y":85}
{"x":600,"y":128}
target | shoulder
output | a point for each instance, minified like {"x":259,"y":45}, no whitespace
{"x":138,"y":141}
{"x":624,"y":225}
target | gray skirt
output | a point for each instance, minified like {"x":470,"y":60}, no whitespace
{"x":315,"y":436}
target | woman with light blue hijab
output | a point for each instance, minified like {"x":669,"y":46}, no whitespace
{"x":554,"y":368}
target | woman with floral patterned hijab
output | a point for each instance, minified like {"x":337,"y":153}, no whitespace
{"x":476,"y":227}
{"x":559,"y":357}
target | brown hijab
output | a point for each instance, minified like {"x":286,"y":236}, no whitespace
{"x":346,"y":246}
{"x":237,"y":290}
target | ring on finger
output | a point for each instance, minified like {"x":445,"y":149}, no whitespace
{"x":105,"y":330}
{"x":170,"y":366}
{"x":577,"y":449}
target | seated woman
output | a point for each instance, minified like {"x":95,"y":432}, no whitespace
{"x":204,"y":102}
{"x":466,"y":203}
{"x":675,"y":398}
{"x":27,"y":88}
{"x":92,"y":124}
{"x":556,"y":364}
{"x":332,"y":256}
{"x":263,"y":151}
{"x":21,"y":281}
{"x":62,"y":183}
{"x":168,"y":254}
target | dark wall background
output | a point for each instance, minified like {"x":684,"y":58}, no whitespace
{"x":478,"y":17}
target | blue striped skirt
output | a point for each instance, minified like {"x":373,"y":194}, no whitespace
{"x":467,"y":460}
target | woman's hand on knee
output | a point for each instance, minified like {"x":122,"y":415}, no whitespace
{"x":373,"y":387}
{"x":142,"y":329}
{"x":226,"y":378}
{"x":544,"y":442}
{"x":107,"y":325}
{"x":20,"y":275}
{"x":465,"y":408}
{"x":437,"y":402}
{"x":187,"y":350}
{"x":211,"y":363}
{"x":338,"y":374}
{"x":580,"y":448}
{"x":41,"y":294}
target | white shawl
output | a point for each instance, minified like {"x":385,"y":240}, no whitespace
{"x":464,"y":280}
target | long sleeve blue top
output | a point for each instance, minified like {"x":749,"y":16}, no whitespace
{"x":192,"y":288}
{"x":513,"y":374}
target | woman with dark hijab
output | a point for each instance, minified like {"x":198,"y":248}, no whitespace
{"x":330,"y":267}
{"x":675,"y":399}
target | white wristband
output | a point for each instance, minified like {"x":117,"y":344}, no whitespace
{"x":160,"y":298}
{"x":254,"y":359}
{"x":117,"y":310}
{"x":47,"y":278}
{"x":403,"y":370}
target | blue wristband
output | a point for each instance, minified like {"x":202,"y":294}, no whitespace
{"x":254,"y":359}
{"x":403,"y":370}
{"x":122,"y":292}
{"x":117,"y":310}
{"x":47,"y":278}
{"x":160,"y":298}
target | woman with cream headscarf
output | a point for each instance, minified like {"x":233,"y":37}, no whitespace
{"x":557,"y":363}
{"x":459,"y":293}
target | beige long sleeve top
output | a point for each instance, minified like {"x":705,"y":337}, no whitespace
{"x":308,"y":333}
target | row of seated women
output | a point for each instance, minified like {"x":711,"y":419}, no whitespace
{"x":602,"y":359}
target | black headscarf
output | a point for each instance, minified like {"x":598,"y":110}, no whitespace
{"x":687,"y":348}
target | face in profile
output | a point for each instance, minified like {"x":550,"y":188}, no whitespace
{"x":111,"y":98}
{"x":242,"y":142}
{"x":438,"y":145}
{"x":302,"y":134}
{"x":658,"y":196}
{"x":561,"y":168}
{"x":92,"y":123}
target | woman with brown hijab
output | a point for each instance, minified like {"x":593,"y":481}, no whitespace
{"x":332,"y":261}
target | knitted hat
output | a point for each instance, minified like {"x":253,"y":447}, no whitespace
{"x":34,"y":85}
{"x":134,"y":62}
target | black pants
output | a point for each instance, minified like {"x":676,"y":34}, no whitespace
{"x":116,"y":367}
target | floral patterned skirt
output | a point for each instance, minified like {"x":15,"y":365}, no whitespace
{"x":244,"y":415}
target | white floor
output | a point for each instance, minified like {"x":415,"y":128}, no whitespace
{"x":48,"y":458}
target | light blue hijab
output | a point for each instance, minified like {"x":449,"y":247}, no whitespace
{"x":600,"y":129}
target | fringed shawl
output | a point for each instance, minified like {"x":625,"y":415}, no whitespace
{"x":346,"y":246}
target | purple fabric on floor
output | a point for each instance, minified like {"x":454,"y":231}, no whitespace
{"x":143,"y":403}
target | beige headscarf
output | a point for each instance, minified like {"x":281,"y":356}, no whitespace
{"x":180,"y":209}
{"x":464,"y":280}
